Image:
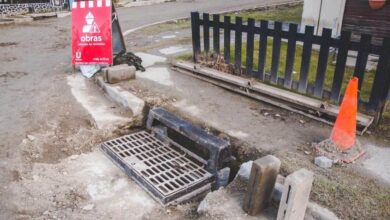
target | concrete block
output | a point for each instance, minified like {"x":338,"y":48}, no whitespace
{"x":323,"y":162}
{"x":261,"y":183}
{"x":295,"y":197}
{"x":245,"y":170}
{"x":119,"y":73}
{"x":223,"y":177}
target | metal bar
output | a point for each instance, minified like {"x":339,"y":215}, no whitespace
{"x":238,"y":44}
{"x":306,"y":55}
{"x":362,"y":58}
{"x":291,"y":48}
{"x":250,"y":47}
{"x":262,"y":49}
{"x":226,"y":42}
{"x":195,"y":35}
{"x":322,"y":62}
{"x":381,"y":86}
{"x":276,"y":52}
{"x":340,"y":66}
{"x":206,"y":32}
{"x":216,"y":33}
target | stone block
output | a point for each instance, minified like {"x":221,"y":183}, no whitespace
{"x":245,"y":170}
{"x":261,"y":183}
{"x":295,"y":197}
{"x":323,"y":162}
{"x":118,"y":73}
{"x":223,"y":177}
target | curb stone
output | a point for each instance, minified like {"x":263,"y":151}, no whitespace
{"x":124,"y":98}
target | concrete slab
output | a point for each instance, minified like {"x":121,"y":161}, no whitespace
{"x":96,"y":104}
{"x":261,"y":182}
{"x":150,"y":59}
{"x":378,"y":161}
{"x":295,"y":197}
{"x":88,"y":184}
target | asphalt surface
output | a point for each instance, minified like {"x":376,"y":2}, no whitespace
{"x":139,"y":16}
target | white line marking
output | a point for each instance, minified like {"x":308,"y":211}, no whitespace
{"x":90,"y":4}
{"x":82,"y":4}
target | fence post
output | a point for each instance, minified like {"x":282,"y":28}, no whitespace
{"x":249,"y":46}
{"x":226,"y":33}
{"x":341,"y":60}
{"x":238,"y":42}
{"x":195,"y":24}
{"x":276,"y":52}
{"x":292,"y":41}
{"x":322,"y":62}
{"x":206,"y":32}
{"x":263,"y":48}
{"x":216,"y":33}
{"x":381,"y":86}
{"x":306,"y":54}
{"x":362,"y":58}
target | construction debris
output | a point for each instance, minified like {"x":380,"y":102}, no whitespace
{"x":261,"y":182}
{"x":217,"y":62}
{"x":328,"y":149}
{"x":118,"y":73}
{"x":323,"y":162}
{"x":244,"y":171}
{"x":130,"y":59}
{"x":295,"y":197}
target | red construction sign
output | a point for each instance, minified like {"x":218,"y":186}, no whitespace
{"x":91,"y":32}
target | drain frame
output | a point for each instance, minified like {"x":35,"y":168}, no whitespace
{"x":122,"y":151}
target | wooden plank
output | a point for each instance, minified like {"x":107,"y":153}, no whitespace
{"x":290,"y":58}
{"x":226,"y":50}
{"x":276,"y":52}
{"x":262,"y":49}
{"x":322,"y":62}
{"x":238,"y":44}
{"x":206,"y":32}
{"x":306,"y":55}
{"x":216,"y":33}
{"x":340,"y":66}
{"x":195,"y":25}
{"x":362,"y":58}
{"x":250,"y":46}
{"x":381,"y":86}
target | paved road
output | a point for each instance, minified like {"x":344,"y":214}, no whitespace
{"x":135,"y":17}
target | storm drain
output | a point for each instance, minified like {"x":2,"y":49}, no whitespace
{"x":167,"y":173}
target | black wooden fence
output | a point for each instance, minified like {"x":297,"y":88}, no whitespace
{"x":343,"y":44}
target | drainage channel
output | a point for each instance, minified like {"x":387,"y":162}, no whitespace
{"x":171,"y":172}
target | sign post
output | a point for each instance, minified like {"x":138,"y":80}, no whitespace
{"x":91,"y":32}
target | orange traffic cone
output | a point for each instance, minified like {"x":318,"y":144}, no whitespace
{"x":344,"y":130}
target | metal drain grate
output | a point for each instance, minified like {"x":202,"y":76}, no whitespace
{"x":165,"y":172}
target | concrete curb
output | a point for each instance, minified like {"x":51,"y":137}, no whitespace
{"x":124,"y":98}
